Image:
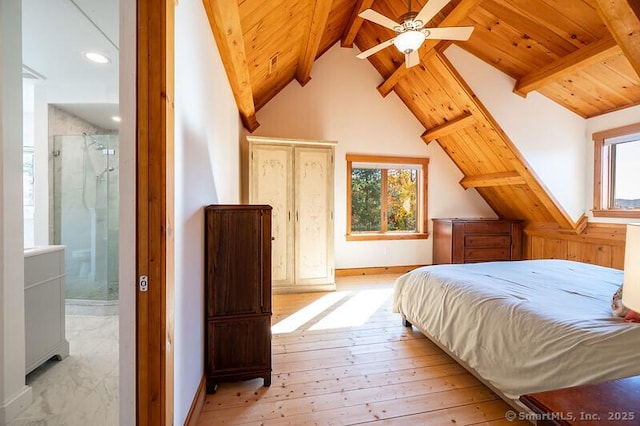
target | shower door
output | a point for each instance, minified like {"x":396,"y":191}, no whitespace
{"x":85,"y":214}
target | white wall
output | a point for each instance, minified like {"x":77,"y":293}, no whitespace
{"x":341,"y":103}
{"x":597,"y":124}
{"x":207,"y":131}
{"x":549,"y":136}
{"x":14,"y":394}
{"x":127,"y":216}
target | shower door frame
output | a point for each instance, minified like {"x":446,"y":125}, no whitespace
{"x":154,"y":211}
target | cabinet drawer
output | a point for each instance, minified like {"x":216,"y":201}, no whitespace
{"x":471,"y":241}
{"x":487,"y":254}
{"x":487,"y":227}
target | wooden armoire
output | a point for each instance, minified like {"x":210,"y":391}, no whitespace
{"x":296,"y":177}
{"x":237,"y":293}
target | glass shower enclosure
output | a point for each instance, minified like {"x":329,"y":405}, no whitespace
{"x":85,"y":215}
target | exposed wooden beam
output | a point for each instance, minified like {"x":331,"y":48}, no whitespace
{"x":387,"y":86}
{"x":591,"y":54}
{"x":622,"y":20}
{"x":457,"y":15}
{"x":532,"y":181}
{"x":450,"y":126}
{"x":493,"y":179}
{"x":354,"y":24}
{"x":224,"y":19}
{"x":311,"y":44}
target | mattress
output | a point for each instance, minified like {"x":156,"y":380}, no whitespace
{"x":524,"y":326}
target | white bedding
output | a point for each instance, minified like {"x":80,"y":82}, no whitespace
{"x":524,"y":326}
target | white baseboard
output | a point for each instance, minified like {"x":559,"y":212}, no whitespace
{"x":10,"y":408}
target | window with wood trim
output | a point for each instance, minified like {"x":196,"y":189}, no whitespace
{"x":617,"y":172}
{"x":386,"y":197}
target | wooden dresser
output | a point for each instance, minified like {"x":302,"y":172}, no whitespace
{"x":237,"y":293}
{"x":476,"y":240}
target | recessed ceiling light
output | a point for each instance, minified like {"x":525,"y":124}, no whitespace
{"x":96,"y":57}
{"x":116,"y":118}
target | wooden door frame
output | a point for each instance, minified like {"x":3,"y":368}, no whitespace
{"x":154,"y":211}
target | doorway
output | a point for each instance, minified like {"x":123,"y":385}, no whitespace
{"x":70,"y":67}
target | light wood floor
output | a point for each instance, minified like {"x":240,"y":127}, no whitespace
{"x":378,"y":372}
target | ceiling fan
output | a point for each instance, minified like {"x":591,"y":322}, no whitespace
{"x":410,"y":30}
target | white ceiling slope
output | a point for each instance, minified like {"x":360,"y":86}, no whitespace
{"x":55,"y":34}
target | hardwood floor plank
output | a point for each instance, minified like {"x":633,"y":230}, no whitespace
{"x":377,"y":372}
{"x":357,"y":345}
{"x":337,"y":385}
{"x":294,"y":406}
{"x":388,"y":409}
{"x":390,"y":332}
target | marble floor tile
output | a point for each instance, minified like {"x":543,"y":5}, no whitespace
{"x":81,"y":389}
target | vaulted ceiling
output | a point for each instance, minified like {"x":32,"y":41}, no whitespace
{"x":582,"y":54}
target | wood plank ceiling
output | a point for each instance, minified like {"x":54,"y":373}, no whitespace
{"x":582,"y":54}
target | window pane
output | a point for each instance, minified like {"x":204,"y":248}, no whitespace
{"x":366,"y":187}
{"x":401,"y":199}
{"x":626,"y":191}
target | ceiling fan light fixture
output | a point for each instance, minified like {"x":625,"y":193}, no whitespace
{"x":409,"y":41}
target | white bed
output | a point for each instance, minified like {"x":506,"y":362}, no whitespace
{"x":524,"y":326}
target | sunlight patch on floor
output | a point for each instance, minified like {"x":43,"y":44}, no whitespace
{"x":355,"y":311}
{"x":309,"y":312}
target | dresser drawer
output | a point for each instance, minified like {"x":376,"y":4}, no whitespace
{"x":472,"y":241}
{"x":487,"y":254}
{"x":487,"y":227}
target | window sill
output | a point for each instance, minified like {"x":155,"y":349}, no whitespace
{"x":388,"y":236}
{"x":621,"y":213}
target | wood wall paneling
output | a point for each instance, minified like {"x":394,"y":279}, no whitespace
{"x":599,"y":244}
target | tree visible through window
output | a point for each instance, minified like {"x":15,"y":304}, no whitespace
{"x":387,"y":197}
{"x":617,"y":172}
{"x":366,"y":204}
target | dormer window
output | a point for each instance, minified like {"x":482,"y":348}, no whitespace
{"x":617,"y":172}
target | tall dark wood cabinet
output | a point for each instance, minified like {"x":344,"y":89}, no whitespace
{"x":476,"y":240}
{"x":237,"y":293}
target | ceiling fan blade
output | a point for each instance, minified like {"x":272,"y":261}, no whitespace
{"x":378,"y":18}
{"x":374,"y":49}
{"x":411,"y":59}
{"x":430,"y":10}
{"x":450,"y":33}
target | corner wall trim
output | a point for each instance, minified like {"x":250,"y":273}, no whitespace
{"x":376,"y":270}
{"x":197,"y":404}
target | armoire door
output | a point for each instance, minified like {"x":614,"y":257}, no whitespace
{"x":272,"y":184}
{"x":313,"y":216}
